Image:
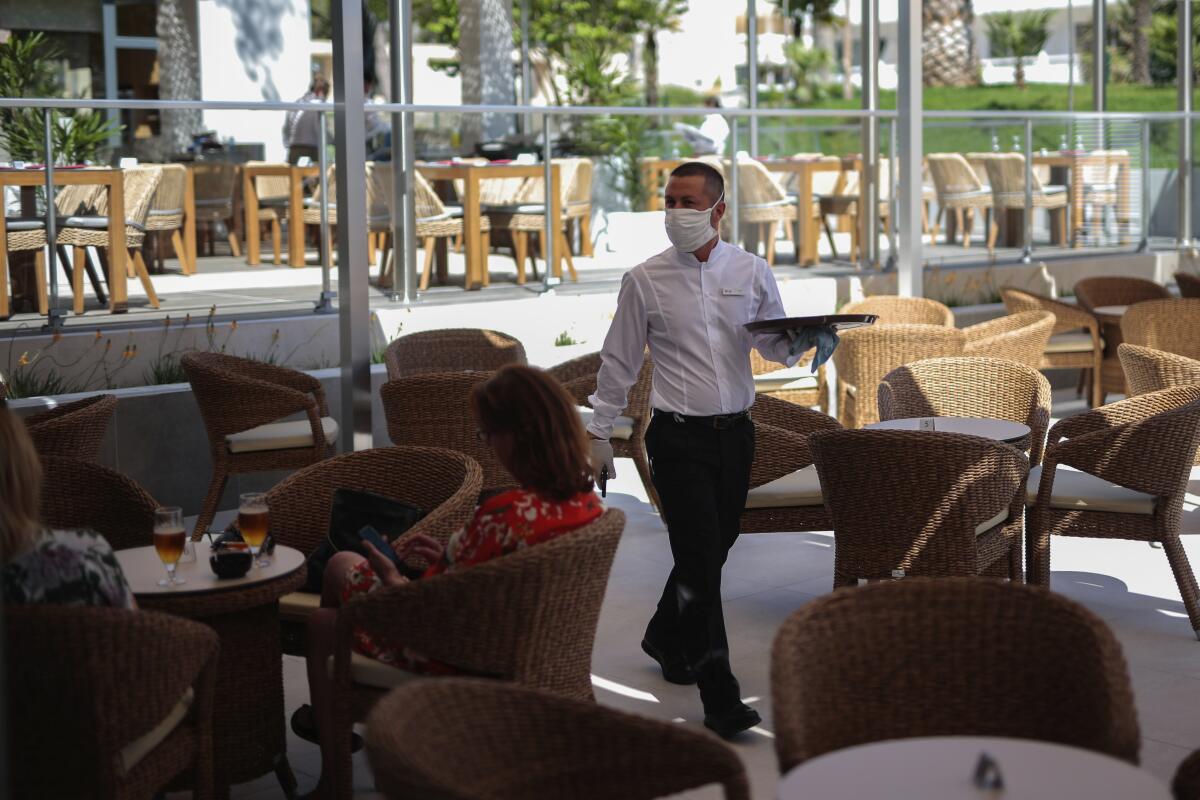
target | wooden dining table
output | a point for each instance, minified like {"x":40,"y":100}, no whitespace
{"x":113,"y":182}
{"x":295,"y":215}
{"x":472,"y":175}
{"x":808,"y":224}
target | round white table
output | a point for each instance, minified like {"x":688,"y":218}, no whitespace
{"x":1000,"y":430}
{"x":143,"y":570}
{"x":943,"y":768}
{"x":1110,"y":311}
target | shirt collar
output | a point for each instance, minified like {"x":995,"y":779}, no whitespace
{"x":690,"y":259}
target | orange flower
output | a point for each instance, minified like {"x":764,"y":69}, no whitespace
{"x":97,"y":336}
{"x":233,"y":325}
{"x":23,"y":360}
{"x":57,"y":337}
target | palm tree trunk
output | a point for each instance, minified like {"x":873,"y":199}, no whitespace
{"x":179,"y":70}
{"x":1142,"y":19}
{"x":650,"y":67}
{"x":1020,"y":73}
{"x":948,"y":43}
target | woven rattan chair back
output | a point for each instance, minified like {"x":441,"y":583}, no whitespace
{"x":1006,"y":174}
{"x":78,"y":494}
{"x":755,"y":184}
{"x":1172,"y":326}
{"x":270,"y":188}
{"x":428,"y":204}
{"x":76,"y":200}
{"x":1020,"y":337}
{"x":893,"y":310}
{"x":962,"y":657}
{"x":453,"y":738}
{"x":215,"y":184}
{"x":442,"y":483}
{"x":533,"y":190}
{"x":1150,"y":370}
{"x":1017,"y":301}
{"x":952,"y":175}
{"x":140,"y":183}
{"x":73,"y":430}
{"x":83,"y":683}
{"x":1117,"y":290}
{"x":166,"y":205}
{"x":913,"y":501}
{"x":1189,"y":284}
{"x":452,"y":350}
{"x":434,"y":410}
{"x":970,"y":387}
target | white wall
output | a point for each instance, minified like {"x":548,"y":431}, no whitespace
{"x":253,"y":50}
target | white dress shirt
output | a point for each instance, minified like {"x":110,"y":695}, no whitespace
{"x":691,"y":315}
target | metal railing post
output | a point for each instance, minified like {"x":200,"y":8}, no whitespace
{"x":893,"y":189}
{"x":1183,"y":75}
{"x":1144,"y":244}
{"x":1027,"y":252}
{"x":548,"y":280}
{"x":910,"y":267}
{"x":731,"y":194}
{"x":868,"y":213}
{"x":53,"y":315}
{"x":325,"y":300}
{"x":752,"y":71}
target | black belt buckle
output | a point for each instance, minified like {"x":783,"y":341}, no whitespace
{"x":725,"y":421}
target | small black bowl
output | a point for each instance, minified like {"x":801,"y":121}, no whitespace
{"x":231,"y":563}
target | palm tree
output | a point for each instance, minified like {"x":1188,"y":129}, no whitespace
{"x":179,"y":71}
{"x":1019,"y":34}
{"x":948,"y":55}
{"x":658,"y":15}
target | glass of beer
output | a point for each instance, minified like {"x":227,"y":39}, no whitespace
{"x":169,"y":539}
{"x":254,"y":520}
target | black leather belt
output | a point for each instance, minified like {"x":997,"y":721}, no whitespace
{"x":718,"y":422}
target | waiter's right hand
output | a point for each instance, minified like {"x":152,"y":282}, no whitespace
{"x":602,"y":456}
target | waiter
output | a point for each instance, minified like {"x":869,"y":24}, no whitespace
{"x":689,"y":304}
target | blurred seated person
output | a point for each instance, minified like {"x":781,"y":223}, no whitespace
{"x":709,"y":138}
{"x":38,"y":565}
{"x":531,"y":423}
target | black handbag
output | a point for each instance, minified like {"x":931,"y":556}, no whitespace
{"x":352,"y":512}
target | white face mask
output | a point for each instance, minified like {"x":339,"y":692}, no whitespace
{"x":689,"y":229}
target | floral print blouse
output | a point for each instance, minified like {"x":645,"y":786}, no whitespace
{"x":66,"y":567}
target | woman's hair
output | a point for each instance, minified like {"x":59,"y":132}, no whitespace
{"x":20,"y":486}
{"x":549,"y":446}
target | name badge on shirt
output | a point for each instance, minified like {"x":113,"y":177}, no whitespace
{"x":733,"y":292}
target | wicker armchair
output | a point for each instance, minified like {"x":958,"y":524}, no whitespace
{"x":1133,"y":458}
{"x":948,"y":657}
{"x":241,"y":402}
{"x":865,"y":355}
{"x":1186,"y":784}
{"x":73,"y":430}
{"x":960,"y":190}
{"x":451,"y":350}
{"x":453,"y":738}
{"x":970,"y":387}
{"x":216,"y":183}
{"x":796,"y":384}
{"x":166,"y":214}
{"x":1020,"y":337}
{"x":1097,"y":292}
{"x":1189,"y":284}
{"x":922,"y":503}
{"x":526,"y":215}
{"x":91,"y":230}
{"x":893,"y":310}
{"x":25,"y":235}
{"x":540,"y":636}
{"x":1172,"y":326}
{"x":762,"y":207}
{"x":1148,"y":370}
{"x":77,"y":494}
{"x":105,"y":702}
{"x":1075,"y":342}
{"x":1006,"y":174}
{"x":378,"y":203}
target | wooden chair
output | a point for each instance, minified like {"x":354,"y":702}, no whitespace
{"x":579,"y":208}
{"x":1101,"y":180}
{"x":1149,"y":370}
{"x":166,"y":215}
{"x":451,"y":350}
{"x":1006,"y":174}
{"x":922,"y":503}
{"x":442,"y":483}
{"x":1114,"y":290}
{"x":453,"y":738}
{"x":79,"y":494}
{"x":242,"y":402}
{"x":865,"y":355}
{"x":1020,"y":337}
{"x":1172,"y":326}
{"x":216,"y":185}
{"x":1075,"y":341}
{"x":541,"y":636}
{"x":797,"y":384}
{"x":894,"y":310}
{"x":1132,"y":460}
{"x":526,"y":216}
{"x":106,"y":702}
{"x":273,"y":194}
{"x":25,"y":235}
{"x":970,"y":387}
{"x":1189,"y":284}
{"x":91,"y":230}
{"x":961,"y":656}
{"x":73,"y":430}
{"x":763,"y":206}
{"x":960,"y":190}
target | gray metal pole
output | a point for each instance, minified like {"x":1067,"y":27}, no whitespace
{"x":751,"y":72}
{"x":731,"y":192}
{"x":548,"y":281}
{"x":893,"y":190}
{"x":526,"y":70}
{"x":1183,"y":77}
{"x":869,"y":192}
{"x":1144,"y":245}
{"x":1027,"y":252}
{"x":354,"y":301}
{"x":325,"y":300}
{"x":108,"y":13}
{"x":404,"y":243}
{"x":53,"y":315}
{"x":1099,"y":58}
{"x":1070,"y":56}
{"x":911,"y":266}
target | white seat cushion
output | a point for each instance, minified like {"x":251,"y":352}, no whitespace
{"x":369,"y":672}
{"x":799,"y":488}
{"x":622,"y":426}
{"x":786,"y":380}
{"x":1084,"y":492}
{"x":1077,"y":342}
{"x":991,"y":522}
{"x":132,"y":754}
{"x":280,"y":436}
{"x":297,"y":606}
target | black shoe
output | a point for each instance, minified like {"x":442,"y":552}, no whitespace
{"x":731,"y":721}
{"x":304,"y":725}
{"x":674,"y":669}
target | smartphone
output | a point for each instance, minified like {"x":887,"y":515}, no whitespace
{"x":369,"y":534}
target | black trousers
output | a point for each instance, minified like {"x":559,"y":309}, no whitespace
{"x":702,"y":476}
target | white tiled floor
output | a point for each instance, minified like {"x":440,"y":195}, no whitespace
{"x":769,"y":576}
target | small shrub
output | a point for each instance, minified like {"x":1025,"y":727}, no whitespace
{"x":565,"y":339}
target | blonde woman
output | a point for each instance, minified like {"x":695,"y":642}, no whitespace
{"x":37,"y":565}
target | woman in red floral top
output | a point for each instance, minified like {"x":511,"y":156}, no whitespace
{"x":531,"y":423}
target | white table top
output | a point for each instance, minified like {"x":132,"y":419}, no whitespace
{"x":1000,"y":430}
{"x":943,"y":768}
{"x":1111,"y":311}
{"x":143,"y":570}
